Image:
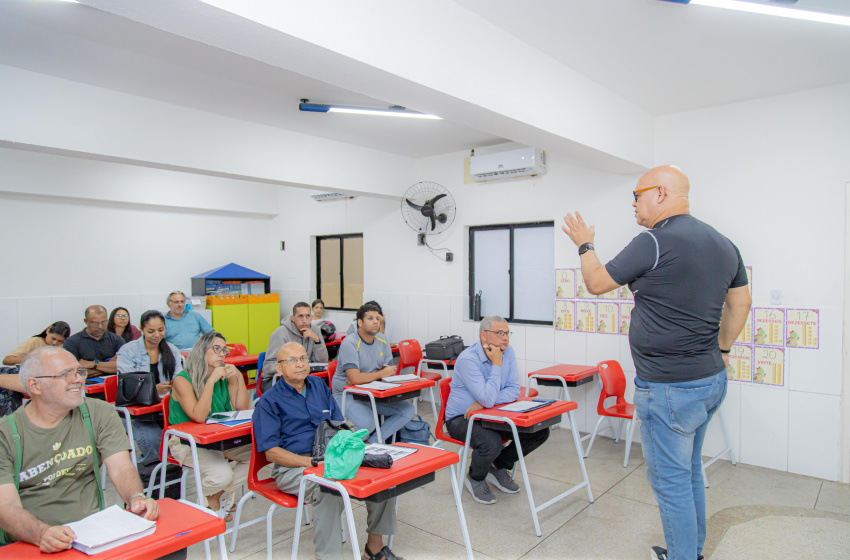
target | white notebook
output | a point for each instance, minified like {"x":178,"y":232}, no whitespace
{"x":401,"y":378}
{"x":378,"y":385}
{"x":227,"y":417}
{"x":109,"y":528}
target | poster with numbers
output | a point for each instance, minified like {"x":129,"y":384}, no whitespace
{"x":802,"y":328}
{"x":740,"y":363}
{"x":769,"y":366}
{"x":565,"y":283}
{"x":626,"y":317}
{"x":581,"y":287}
{"x":565,"y":315}
{"x":585,"y":316}
{"x":625,"y":293}
{"x":750,"y":279}
{"x":746,"y":336}
{"x":768,"y":326}
{"x":613,"y":294}
{"x":607,"y":317}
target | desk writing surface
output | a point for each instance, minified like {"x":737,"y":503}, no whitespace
{"x":371,"y":481}
{"x":242,"y":361}
{"x":532,"y":417}
{"x":568,"y":372}
{"x":139,"y":410}
{"x":406,"y":387}
{"x":174,"y":518}
{"x":212,"y":433}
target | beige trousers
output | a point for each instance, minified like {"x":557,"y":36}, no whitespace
{"x":226,"y":470}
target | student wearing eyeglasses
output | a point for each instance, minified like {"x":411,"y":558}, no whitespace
{"x":207,"y":385}
{"x":485,"y":376}
{"x":119,"y":323}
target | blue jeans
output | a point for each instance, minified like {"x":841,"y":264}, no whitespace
{"x":396,"y":415}
{"x":148,"y":436}
{"x":674,"y":418}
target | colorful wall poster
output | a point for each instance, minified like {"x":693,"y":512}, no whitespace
{"x":581,"y":287}
{"x":626,"y":317}
{"x":565,"y":315}
{"x":802,"y":328}
{"x":750,"y":279}
{"x":740,"y":363}
{"x":626,"y":293}
{"x":768,"y":326}
{"x":565,"y":283}
{"x":607,"y":314}
{"x":746,"y":336}
{"x":585,"y":316}
{"x":769,"y":366}
{"x":613,"y":294}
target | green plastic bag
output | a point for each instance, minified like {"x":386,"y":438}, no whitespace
{"x":344,"y":454}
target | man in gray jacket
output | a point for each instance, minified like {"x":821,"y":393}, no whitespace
{"x":297,"y":329}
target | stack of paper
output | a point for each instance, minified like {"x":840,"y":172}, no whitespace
{"x":401,"y":378}
{"x":377,"y":385}
{"x":523,"y":406}
{"x":109,"y":528}
{"x":396,"y":452}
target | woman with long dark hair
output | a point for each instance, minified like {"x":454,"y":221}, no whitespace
{"x":150,"y":353}
{"x":208,"y":385}
{"x":119,"y":323}
{"x":54,"y":335}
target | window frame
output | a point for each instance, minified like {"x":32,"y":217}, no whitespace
{"x":511,"y":228}
{"x":341,"y":237}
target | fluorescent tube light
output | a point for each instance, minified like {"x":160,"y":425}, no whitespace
{"x":394,"y":111}
{"x":755,"y":8}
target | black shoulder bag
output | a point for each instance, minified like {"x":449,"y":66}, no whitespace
{"x":136,"y":389}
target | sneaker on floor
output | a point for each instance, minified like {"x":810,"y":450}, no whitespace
{"x":480,"y":490}
{"x":501,"y":479}
{"x":657,"y":553}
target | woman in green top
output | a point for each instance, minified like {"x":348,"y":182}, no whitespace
{"x":207,"y":386}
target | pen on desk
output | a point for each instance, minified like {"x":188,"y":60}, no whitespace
{"x":181,"y":534}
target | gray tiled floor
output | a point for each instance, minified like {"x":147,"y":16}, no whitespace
{"x":753,"y":513}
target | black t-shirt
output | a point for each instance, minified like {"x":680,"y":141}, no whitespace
{"x":84,"y":347}
{"x":679,"y":272}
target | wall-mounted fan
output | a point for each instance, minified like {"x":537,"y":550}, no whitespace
{"x":428,"y":208}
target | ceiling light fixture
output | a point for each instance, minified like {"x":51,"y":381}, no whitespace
{"x":767,"y":9}
{"x":392,"y":111}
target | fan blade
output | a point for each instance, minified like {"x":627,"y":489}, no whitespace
{"x":417,"y":208}
{"x":433,"y":223}
{"x":435,"y":199}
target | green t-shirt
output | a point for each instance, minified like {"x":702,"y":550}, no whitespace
{"x":57,"y":480}
{"x":220,"y":401}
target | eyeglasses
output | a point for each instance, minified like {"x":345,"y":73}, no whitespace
{"x":68,"y":373}
{"x":221,"y":350}
{"x":178,"y":302}
{"x":122,"y":316}
{"x":638,"y":191}
{"x":96,"y":324}
{"x":501,"y":334}
{"x":293,"y":361}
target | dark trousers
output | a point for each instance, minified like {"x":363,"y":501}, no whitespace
{"x":487,"y":447}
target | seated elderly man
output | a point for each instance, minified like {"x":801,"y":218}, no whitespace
{"x":285,"y":422}
{"x":183,"y":327}
{"x":485,"y":376}
{"x":297,"y":329}
{"x":63,"y":436}
{"x":95,"y":347}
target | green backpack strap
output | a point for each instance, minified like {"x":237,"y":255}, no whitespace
{"x":87,"y":419}
{"x":16,"y":438}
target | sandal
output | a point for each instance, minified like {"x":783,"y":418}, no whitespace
{"x":383,"y":554}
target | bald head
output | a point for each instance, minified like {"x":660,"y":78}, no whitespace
{"x":293,"y":372}
{"x":660,"y":193}
{"x":289,"y":350}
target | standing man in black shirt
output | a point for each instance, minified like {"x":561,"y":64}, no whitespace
{"x":691,"y":303}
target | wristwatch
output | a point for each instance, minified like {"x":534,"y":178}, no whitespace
{"x":95,"y":362}
{"x":722,"y":351}
{"x":140,"y":494}
{"x":585,"y":247}
{"x":314,"y":461}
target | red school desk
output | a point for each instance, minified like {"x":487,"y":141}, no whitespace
{"x":405,"y":390}
{"x":179,"y":526}
{"x":378,"y":485}
{"x":531,"y":421}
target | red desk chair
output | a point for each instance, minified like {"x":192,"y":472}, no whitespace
{"x":331,"y":372}
{"x":258,"y":382}
{"x":237,"y":350}
{"x":266,"y":488}
{"x":442,"y":434}
{"x":410,"y":356}
{"x":163,"y":452}
{"x":614,"y":385}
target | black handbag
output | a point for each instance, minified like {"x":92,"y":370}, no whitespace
{"x":136,"y":389}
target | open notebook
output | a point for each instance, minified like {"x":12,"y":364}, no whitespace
{"x":109,"y":528}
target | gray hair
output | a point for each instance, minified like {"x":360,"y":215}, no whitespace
{"x":487,"y":323}
{"x":168,"y":299}
{"x":196,"y":363}
{"x":33,"y":364}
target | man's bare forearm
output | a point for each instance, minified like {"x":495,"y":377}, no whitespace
{"x":21,"y":524}
{"x":734,"y":316}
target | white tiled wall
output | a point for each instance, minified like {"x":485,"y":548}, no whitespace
{"x":814,"y":431}
{"x":764,"y":426}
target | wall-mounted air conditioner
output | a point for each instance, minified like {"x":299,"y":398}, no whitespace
{"x":513,"y":163}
